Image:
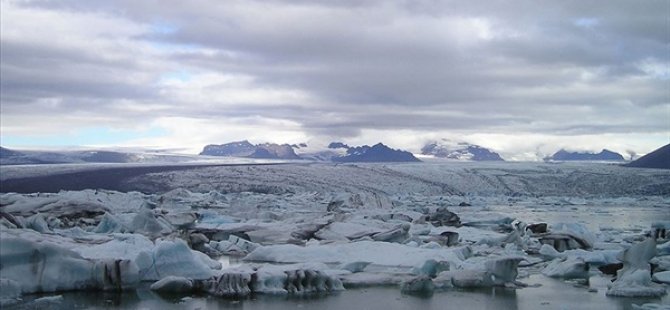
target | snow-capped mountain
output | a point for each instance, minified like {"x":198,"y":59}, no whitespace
{"x":376,"y":153}
{"x":604,"y":155}
{"x":659,"y":158}
{"x":246,"y":149}
{"x":459,"y":151}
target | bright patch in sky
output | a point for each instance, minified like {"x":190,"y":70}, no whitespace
{"x":92,"y":136}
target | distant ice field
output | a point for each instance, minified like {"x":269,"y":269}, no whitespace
{"x":364,"y":236}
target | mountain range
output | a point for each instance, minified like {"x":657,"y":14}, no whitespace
{"x":376,"y":153}
{"x":604,"y":155}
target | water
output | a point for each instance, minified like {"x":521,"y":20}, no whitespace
{"x":552,"y":294}
{"x":595,"y":217}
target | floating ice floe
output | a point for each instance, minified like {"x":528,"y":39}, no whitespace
{"x":662,"y":277}
{"x":173,"y":284}
{"x":482,"y":272}
{"x":567,"y":268}
{"x":634,"y":280}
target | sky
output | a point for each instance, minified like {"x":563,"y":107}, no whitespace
{"x":524,"y":78}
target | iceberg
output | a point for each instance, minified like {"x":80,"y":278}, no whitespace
{"x":567,"y":268}
{"x":173,"y":284}
{"x":662,"y":277}
{"x":634,"y":280}
{"x":45,"y":267}
{"x":173,"y":258}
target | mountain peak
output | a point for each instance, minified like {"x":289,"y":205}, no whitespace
{"x":376,"y":153}
{"x":459,"y":150}
{"x":246,"y":149}
{"x":659,"y":158}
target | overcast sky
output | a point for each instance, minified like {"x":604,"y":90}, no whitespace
{"x":524,"y":78}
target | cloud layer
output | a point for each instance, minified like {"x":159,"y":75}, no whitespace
{"x":579,"y":74}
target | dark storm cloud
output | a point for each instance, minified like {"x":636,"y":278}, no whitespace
{"x":568,"y":67}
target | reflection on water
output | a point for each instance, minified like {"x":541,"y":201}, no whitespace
{"x":552,"y":294}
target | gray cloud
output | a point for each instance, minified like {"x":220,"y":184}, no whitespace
{"x":562,"y":68}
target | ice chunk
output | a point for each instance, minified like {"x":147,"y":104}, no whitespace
{"x":173,"y":284}
{"x":347,"y":202}
{"x":398,"y":234}
{"x":663,"y":249}
{"x":10,"y":291}
{"x":46,"y":302}
{"x":115,"y":274}
{"x":47,"y":267}
{"x":662,"y":263}
{"x":567,"y":268}
{"x":110,"y":224}
{"x":512,"y":237}
{"x":346,"y":231}
{"x":365,"y":279}
{"x":212,"y":264}
{"x":418,"y":285}
{"x":146,"y":222}
{"x":270,"y":281}
{"x":172,"y":258}
{"x":431,"y":268}
{"x":296,"y":279}
{"x":355,"y":266}
{"x":481,"y":272}
{"x":579,"y":232}
{"x":503,"y":270}
{"x":651,"y":306}
{"x":229,"y":284}
{"x":234,"y":246}
{"x":37,"y":223}
{"x":463,"y":279}
{"x":493,"y":220}
{"x":662,"y":277}
{"x":634,"y":280}
{"x":182,"y":220}
{"x":122,"y":246}
{"x":602,"y":257}
{"x":245,"y":245}
{"x":444,"y":217}
{"x":378,"y":253}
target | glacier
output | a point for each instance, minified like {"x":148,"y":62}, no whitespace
{"x":302,"y":229}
